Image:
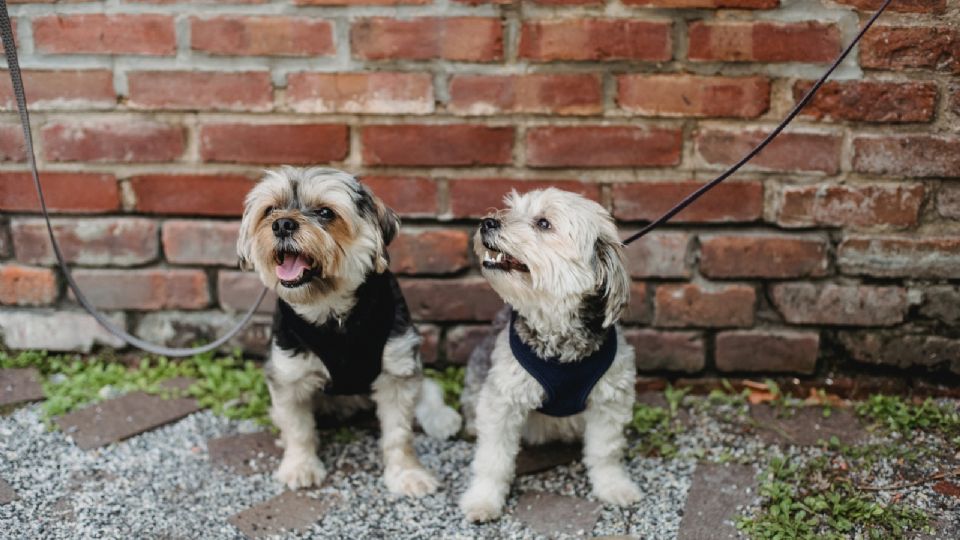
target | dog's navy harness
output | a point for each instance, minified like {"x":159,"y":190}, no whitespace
{"x":567,"y":385}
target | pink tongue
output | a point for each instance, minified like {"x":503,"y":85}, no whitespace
{"x":292,"y":267}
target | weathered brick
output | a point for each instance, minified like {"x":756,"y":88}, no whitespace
{"x":429,"y":343}
{"x":733,"y":4}
{"x":922,"y":47}
{"x":900,"y":256}
{"x":366,"y":93}
{"x":942,"y":303}
{"x":712,"y":306}
{"x":200,"y":242}
{"x":301,"y":144}
{"x":237,"y":291}
{"x":693,"y":95}
{"x":905,"y":6}
{"x":761,"y":41}
{"x":775,"y":351}
{"x":849,"y":205}
{"x":462,"y":340}
{"x":51,"y":330}
{"x":27,"y":286}
{"x":468,"y":299}
{"x":871,"y":101}
{"x":902,"y":350}
{"x":190,"y":194}
{"x":466,"y":39}
{"x":603,"y":146}
{"x":96,"y":33}
{"x":639,"y":310}
{"x":121,"y":141}
{"x":728,"y":202}
{"x":667,"y":351}
{"x":843,"y":305}
{"x":92,"y":242}
{"x":62,"y":89}
{"x":454,"y":145}
{"x":563,"y":94}
{"x":200,"y":90}
{"x":812,"y":152}
{"x":429,"y":252}
{"x":763,"y":256}
{"x":187,"y":328}
{"x":261,"y":36}
{"x":407,"y":195}
{"x":11,"y":143}
{"x":63,"y":192}
{"x":596,"y":39}
{"x":948,"y":201}
{"x":661,"y":254}
{"x":144,"y":290}
{"x":909,"y":155}
{"x":476,"y":197}
{"x":360,"y":2}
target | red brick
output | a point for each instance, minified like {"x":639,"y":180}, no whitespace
{"x":661,"y":254}
{"x":603,"y":146}
{"x":462,"y":340}
{"x":711,"y":306}
{"x":27,"y":286}
{"x":775,"y":351}
{"x":62,"y":89}
{"x":468,"y":299}
{"x":639,"y":310}
{"x":262,"y":36}
{"x":903,"y":350}
{"x":408,"y":196}
{"x":596,"y":39}
{"x":63,"y":192}
{"x":429,"y":252}
{"x":301,"y":144}
{"x":476,"y":197}
{"x":733,"y":4}
{"x":454,"y":145}
{"x":667,"y":351}
{"x":763,"y":256}
{"x":694,"y":95}
{"x":924,"y":47}
{"x":842,"y":305}
{"x":368,"y":93}
{"x":199,"y":90}
{"x":850,"y":205}
{"x":237,"y":291}
{"x":197,"y":2}
{"x":562,"y":94}
{"x":905,"y":6}
{"x":95,"y":33}
{"x":115,"y":241}
{"x":121,"y":141}
{"x":200,"y":242}
{"x":360,"y":2}
{"x":871,"y":101}
{"x":465,"y":39}
{"x":11,"y":143}
{"x":814,"y":152}
{"x":948,"y":202}
{"x":741,"y":41}
{"x":728,"y":202}
{"x":909,"y":155}
{"x":190,"y":194}
{"x":144,"y":289}
{"x":900,"y":256}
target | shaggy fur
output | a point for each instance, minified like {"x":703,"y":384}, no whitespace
{"x":557,"y":259}
{"x":341,"y":230}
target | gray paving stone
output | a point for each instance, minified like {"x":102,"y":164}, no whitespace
{"x":288,"y":511}
{"x":7,"y":494}
{"x":715,"y":494}
{"x":536,"y":459}
{"x":550,"y":514}
{"x":117,"y":419}
{"x":19,"y":386}
{"x":807,"y":425}
{"x":246,"y":454}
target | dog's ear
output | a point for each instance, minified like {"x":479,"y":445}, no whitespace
{"x":245,"y":239}
{"x":386,"y":220}
{"x":613,"y":281}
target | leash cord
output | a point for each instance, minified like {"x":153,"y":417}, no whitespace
{"x":689,"y":199}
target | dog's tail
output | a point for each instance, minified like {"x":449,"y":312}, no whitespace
{"x":437,"y":419}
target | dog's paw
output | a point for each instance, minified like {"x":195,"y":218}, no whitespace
{"x":301,"y":471}
{"x":619,"y":491}
{"x":442,"y":423}
{"x":412,"y":481}
{"x":479,"y":504}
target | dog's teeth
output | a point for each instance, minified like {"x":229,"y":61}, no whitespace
{"x":499,"y":257}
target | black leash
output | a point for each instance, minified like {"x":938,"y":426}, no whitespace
{"x":689,"y":199}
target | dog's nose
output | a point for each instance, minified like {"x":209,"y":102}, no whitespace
{"x":284,"y":227}
{"x":489,"y":224}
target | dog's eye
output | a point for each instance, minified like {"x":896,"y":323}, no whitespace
{"x":325,"y":214}
{"x":268,"y":211}
{"x":542,"y":223}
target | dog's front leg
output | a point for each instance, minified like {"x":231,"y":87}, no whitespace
{"x":396,"y":398}
{"x":603,"y":446}
{"x":293,"y":414}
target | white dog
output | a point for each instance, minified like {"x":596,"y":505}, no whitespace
{"x":560,"y":369}
{"x":342,"y":334}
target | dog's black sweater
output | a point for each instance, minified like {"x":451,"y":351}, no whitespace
{"x":352,"y":351}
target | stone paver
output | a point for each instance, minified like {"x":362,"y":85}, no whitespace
{"x":715,"y":493}
{"x":246,"y":454}
{"x":551,"y":515}
{"x":540,"y":458}
{"x":7,"y":494}
{"x":288,"y":511}
{"x":19,"y":386}
{"x":807,"y":425}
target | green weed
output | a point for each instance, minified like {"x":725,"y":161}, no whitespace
{"x":451,"y":381}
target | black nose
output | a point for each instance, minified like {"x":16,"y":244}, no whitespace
{"x":284,"y":227}
{"x":489,"y":224}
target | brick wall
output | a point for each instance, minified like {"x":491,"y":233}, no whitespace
{"x":837,"y":246}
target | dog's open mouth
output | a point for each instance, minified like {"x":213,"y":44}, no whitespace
{"x":498,"y":260}
{"x":294,"y":269}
